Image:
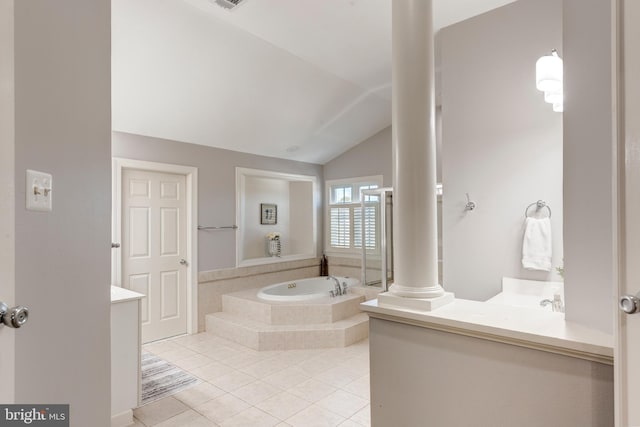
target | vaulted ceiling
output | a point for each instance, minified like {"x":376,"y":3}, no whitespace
{"x":295,"y":79}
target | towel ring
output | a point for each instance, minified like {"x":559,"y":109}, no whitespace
{"x":539,"y":205}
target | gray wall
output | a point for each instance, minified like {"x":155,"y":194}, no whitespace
{"x":216,"y":186}
{"x":374,"y":156}
{"x":449,"y":380}
{"x":371,"y":157}
{"x":588,"y":160}
{"x":502,"y":144}
{"x":264,"y":190}
{"x":301,"y":223}
{"x":507,"y":148}
{"x":63,"y":126}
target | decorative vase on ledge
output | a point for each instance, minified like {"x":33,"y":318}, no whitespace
{"x":274,"y":247}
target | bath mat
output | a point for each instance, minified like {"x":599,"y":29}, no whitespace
{"x":161,"y":379}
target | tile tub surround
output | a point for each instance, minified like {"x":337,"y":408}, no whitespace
{"x":213,"y":284}
{"x":273,"y":325}
{"x":345,"y":266}
{"x":315,"y":311}
{"x":280,"y":388}
{"x":352,"y":267}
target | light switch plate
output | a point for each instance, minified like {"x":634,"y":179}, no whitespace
{"x":39,"y":191}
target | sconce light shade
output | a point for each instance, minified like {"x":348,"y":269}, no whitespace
{"x":549,"y":73}
{"x":558,"y":107}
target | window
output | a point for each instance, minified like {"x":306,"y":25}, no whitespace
{"x":345,"y":214}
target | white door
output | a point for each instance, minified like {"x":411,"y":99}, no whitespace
{"x":7,"y":201}
{"x":154,"y":249}
{"x":627,"y":363}
{"x":7,"y":269}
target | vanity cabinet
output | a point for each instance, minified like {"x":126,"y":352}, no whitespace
{"x":126,"y":379}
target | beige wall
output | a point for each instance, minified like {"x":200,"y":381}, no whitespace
{"x":63,"y":126}
{"x":216,"y":186}
{"x":502,"y":144}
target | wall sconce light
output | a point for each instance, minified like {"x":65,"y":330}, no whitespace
{"x":549,"y":79}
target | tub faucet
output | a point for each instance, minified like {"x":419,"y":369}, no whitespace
{"x":556,"y":304}
{"x":338,"y":289}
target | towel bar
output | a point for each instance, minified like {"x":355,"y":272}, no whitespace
{"x":226,"y":227}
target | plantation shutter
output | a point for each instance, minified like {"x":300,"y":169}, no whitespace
{"x":370,"y":214}
{"x":340,"y":227}
{"x":357,"y":227}
{"x":346,"y":216}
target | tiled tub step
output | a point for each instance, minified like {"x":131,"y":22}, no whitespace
{"x":320,"y":310}
{"x":263,"y":336}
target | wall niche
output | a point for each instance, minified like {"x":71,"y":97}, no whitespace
{"x":270,"y":204}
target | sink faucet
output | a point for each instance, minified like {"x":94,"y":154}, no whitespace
{"x":556,"y":304}
{"x":337,"y":289}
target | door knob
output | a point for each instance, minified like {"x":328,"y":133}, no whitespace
{"x":13,"y":317}
{"x":629,"y":304}
{"x":115,"y":245}
{"x":183,"y":262}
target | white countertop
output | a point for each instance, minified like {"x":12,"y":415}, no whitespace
{"x":538,"y":329}
{"x":119,"y":294}
{"x":520,"y":300}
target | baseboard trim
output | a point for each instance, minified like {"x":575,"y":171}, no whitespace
{"x":122,"y":419}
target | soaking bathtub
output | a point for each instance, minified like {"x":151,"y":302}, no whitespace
{"x":303,"y":289}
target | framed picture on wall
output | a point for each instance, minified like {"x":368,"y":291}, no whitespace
{"x":268,"y":213}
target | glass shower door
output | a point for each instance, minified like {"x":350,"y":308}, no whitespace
{"x":375,"y":219}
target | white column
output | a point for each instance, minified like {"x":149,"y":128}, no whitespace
{"x":415,"y":229}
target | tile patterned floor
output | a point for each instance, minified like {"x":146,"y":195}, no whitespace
{"x":247,"y":388}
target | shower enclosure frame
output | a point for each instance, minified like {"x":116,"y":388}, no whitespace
{"x":385,"y":221}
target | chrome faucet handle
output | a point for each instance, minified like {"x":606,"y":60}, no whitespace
{"x":332,"y":294}
{"x":557,"y":304}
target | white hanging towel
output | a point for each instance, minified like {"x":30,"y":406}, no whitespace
{"x":536,"y":246}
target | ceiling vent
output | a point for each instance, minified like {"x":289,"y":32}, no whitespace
{"x":228,"y":4}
